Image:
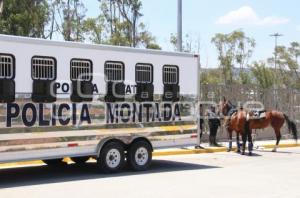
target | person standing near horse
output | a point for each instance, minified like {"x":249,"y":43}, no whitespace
{"x":201,"y":123}
{"x":214,"y":123}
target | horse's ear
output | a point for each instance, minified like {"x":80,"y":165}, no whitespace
{"x":224,"y":99}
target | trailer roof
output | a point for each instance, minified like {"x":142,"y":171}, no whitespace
{"x":37,"y":41}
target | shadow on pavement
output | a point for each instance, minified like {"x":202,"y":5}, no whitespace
{"x":28,"y":176}
{"x":278,"y":151}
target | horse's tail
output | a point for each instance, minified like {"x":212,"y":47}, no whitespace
{"x":292,"y":127}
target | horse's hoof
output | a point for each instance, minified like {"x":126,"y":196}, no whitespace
{"x":274,"y":150}
{"x":250,"y":154}
{"x":228,"y":150}
{"x":243,"y":153}
{"x":238,"y":151}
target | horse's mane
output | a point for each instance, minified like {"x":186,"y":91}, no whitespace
{"x":231,"y":105}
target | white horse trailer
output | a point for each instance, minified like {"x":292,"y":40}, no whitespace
{"x":116,"y":104}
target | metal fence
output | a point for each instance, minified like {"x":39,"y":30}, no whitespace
{"x":284,"y":100}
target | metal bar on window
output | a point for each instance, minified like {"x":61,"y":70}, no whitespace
{"x":6,"y":67}
{"x":43,"y":68}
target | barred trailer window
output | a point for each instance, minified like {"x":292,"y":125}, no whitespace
{"x":143,"y":73}
{"x":81,"y":70}
{"x":6,"y":67}
{"x":170,"y":74}
{"x":43,"y":68}
{"x":114,"y":71}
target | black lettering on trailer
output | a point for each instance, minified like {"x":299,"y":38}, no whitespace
{"x":63,"y":121}
{"x":42,"y":121}
{"x":85,"y":115}
{"x":29,"y":107}
{"x":125,"y":107}
{"x":10,"y":114}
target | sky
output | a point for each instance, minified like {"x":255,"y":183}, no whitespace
{"x":202,"y":19}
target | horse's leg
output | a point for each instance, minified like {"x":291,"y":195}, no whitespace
{"x":230,"y":141}
{"x":244,"y":138}
{"x":278,"y":138}
{"x":238,"y":145}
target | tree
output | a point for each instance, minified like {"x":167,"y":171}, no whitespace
{"x":130,"y":11}
{"x":24,"y":18}
{"x":53,"y":25}
{"x":211,"y":77}
{"x":263,"y":75}
{"x":233,"y":49}
{"x":94,"y":29}
{"x":294,"y":51}
{"x":288,"y":65}
{"x":189,"y":43}
{"x":72,"y":24}
{"x":121,"y":19}
{"x":145,"y":38}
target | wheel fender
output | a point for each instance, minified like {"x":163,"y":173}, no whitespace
{"x":103,"y":142}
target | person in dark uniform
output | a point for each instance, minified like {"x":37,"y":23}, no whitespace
{"x":201,"y":123}
{"x":214,"y":123}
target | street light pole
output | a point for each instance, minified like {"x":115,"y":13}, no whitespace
{"x":1,"y":6}
{"x":276,"y":36}
{"x":179,"y":26}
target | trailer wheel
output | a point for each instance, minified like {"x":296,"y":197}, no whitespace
{"x":112,"y":157}
{"x":54,"y":162}
{"x":80,"y":160}
{"x":139,"y":156}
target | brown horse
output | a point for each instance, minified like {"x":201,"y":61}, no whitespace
{"x":236,"y":120}
{"x":275,"y":119}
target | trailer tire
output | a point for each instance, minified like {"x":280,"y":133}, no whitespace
{"x":54,"y":162}
{"x":80,"y":160}
{"x":139,"y":156}
{"x":112,"y":157}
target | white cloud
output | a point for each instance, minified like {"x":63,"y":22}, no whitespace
{"x":247,"y":16}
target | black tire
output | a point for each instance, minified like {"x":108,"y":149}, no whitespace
{"x":112,"y":158}
{"x":142,"y":160}
{"x":54,"y":162}
{"x":80,"y":160}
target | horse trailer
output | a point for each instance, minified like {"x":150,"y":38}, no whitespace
{"x":115,"y":104}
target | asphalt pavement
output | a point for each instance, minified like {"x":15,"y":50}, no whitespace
{"x":266,"y":174}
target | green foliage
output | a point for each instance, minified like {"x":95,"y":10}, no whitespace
{"x":73,"y":12}
{"x":94,"y":29}
{"x":245,"y":78}
{"x":123,"y":26}
{"x":118,"y":22}
{"x":24,"y":18}
{"x":189,"y":43}
{"x":233,"y":49}
{"x":211,"y":76}
{"x":287,"y":70}
{"x":263,"y":75}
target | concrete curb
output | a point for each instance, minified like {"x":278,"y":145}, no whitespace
{"x":213,"y":150}
{"x":157,"y":153}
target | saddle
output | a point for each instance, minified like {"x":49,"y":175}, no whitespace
{"x":258,"y":114}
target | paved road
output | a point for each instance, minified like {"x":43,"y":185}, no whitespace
{"x":231,"y":175}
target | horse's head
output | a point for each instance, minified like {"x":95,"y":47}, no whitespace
{"x":225,"y":106}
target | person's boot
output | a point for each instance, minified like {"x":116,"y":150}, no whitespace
{"x":211,"y":141}
{"x":215,"y":142}
{"x":199,"y":147}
